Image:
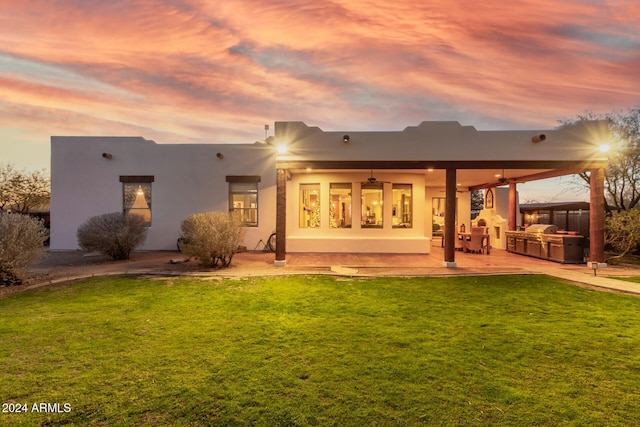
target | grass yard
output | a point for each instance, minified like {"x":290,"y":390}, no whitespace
{"x":318,"y":350}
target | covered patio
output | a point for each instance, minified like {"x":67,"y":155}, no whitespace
{"x":434,"y":157}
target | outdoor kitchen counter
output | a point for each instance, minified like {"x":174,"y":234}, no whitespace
{"x":545,"y":243}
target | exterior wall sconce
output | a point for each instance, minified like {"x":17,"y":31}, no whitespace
{"x":220,"y":156}
{"x":346,"y":139}
{"x":107,"y":156}
{"x":538,"y":138}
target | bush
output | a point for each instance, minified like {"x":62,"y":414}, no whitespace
{"x":212,"y":237}
{"x":21,"y":238}
{"x":113,"y":234}
{"x":623,"y":231}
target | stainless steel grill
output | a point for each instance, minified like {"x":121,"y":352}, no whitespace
{"x":538,"y":229}
{"x":542,"y":241}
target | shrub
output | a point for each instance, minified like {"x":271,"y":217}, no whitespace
{"x":623,"y":231}
{"x":113,"y":234}
{"x":212,"y":237}
{"x":21,"y":238}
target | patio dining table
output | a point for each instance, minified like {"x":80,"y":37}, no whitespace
{"x":486,"y":240}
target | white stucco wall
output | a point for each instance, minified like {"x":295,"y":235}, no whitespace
{"x":442,"y":141}
{"x":187,"y":179}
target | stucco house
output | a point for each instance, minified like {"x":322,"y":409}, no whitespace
{"x":345,"y":191}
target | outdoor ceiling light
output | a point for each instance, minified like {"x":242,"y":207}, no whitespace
{"x":538,"y":138}
{"x":282,"y":148}
{"x":346,"y":138}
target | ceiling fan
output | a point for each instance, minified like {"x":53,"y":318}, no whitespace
{"x":502,"y":179}
{"x":373,"y":180}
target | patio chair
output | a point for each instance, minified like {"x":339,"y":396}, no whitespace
{"x":459,"y":242}
{"x":476,"y":243}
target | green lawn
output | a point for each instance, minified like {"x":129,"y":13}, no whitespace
{"x":629,"y":279}
{"x":318,"y":350}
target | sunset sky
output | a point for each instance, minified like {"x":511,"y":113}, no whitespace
{"x":217,"y":71}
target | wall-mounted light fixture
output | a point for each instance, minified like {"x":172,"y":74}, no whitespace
{"x":538,"y":138}
{"x":220,"y":156}
{"x":282,"y":148}
{"x":107,"y":156}
{"x":346,"y":138}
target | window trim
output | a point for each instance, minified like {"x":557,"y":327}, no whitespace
{"x":242,"y":178}
{"x":135,"y":179}
{"x":140,"y":180}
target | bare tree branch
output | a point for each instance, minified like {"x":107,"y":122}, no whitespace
{"x":622,"y":177}
{"x":22,"y":191}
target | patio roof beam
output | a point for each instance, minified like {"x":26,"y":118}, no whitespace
{"x":578,"y":165}
{"x":527,"y":178}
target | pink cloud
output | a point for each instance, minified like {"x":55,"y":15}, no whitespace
{"x":217,"y":71}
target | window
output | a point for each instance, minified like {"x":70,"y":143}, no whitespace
{"x":136,"y":196}
{"x":402,"y":206}
{"x":243,"y":198}
{"x":371,"y":198}
{"x":309,"y":205}
{"x":340,"y":207}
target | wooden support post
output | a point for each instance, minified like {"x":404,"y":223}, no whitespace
{"x":596,"y":216}
{"x":281,"y":218}
{"x":450,"y":232}
{"x":512,"y":221}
